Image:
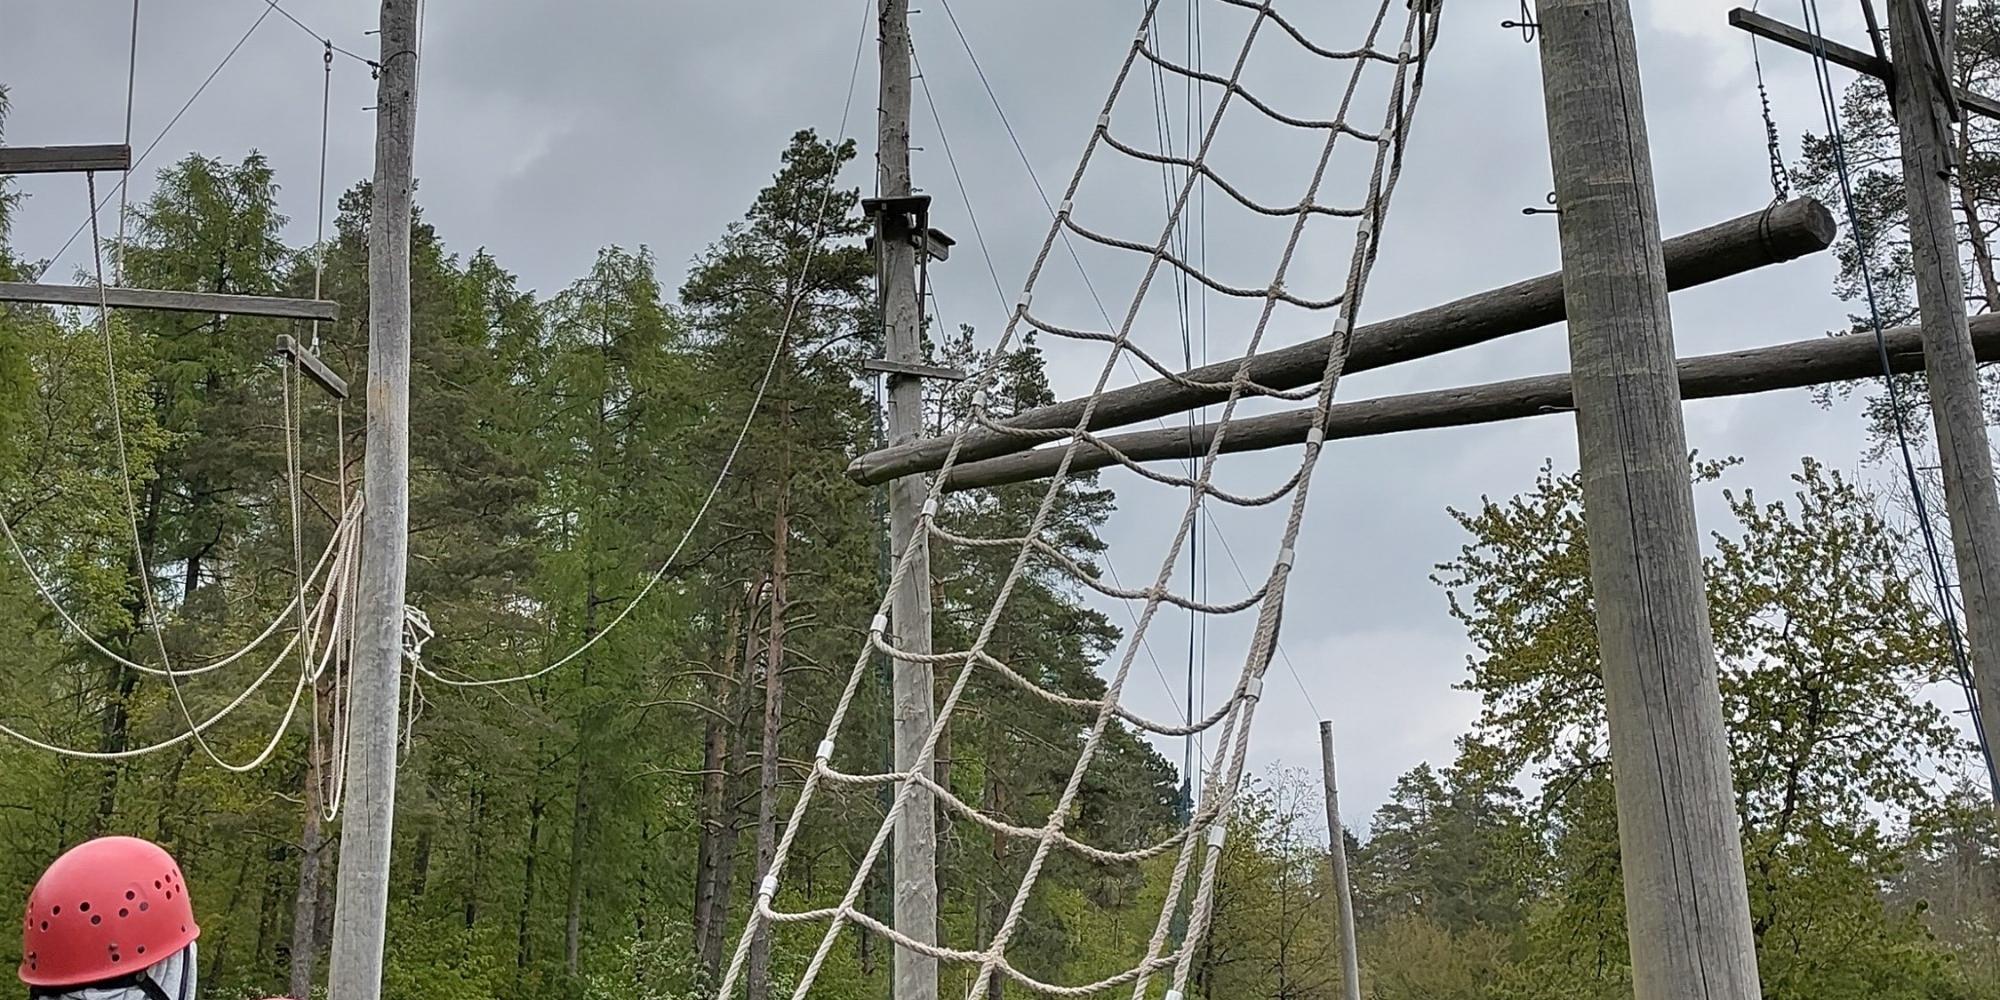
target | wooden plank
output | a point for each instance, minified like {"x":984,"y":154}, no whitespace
{"x":1805,"y":41}
{"x":313,"y":368}
{"x":1795,"y":365}
{"x":1771,"y":235}
{"x":1687,"y":905}
{"x":146,"y":298}
{"x":116,"y":157}
{"x":1847,"y":56}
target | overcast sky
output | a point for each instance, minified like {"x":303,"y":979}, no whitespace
{"x":548,"y":130}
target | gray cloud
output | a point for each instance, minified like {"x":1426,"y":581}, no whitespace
{"x":548,"y":130}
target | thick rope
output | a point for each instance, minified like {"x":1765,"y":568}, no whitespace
{"x":1224,"y":777}
{"x":778,"y":349}
{"x":195,"y":731}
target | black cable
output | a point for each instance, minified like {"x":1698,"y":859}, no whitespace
{"x":322,"y":39}
{"x":1830,"y":106}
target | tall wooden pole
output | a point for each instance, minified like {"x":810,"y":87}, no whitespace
{"x":1343,"y":893}
{"x":1949,"y":363}
{"x":361,"y":909}
{"x":1686,"y":904}
{"x":915,"y":864}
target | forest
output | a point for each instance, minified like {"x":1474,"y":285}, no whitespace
{"x":596,"y":828}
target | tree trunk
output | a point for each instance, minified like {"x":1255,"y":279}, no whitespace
{"x":1975,"y":231}
{"x":579,"y":827}
{"x":523,"y":939}
{"x":995,"y":805}
{"x":116,"y":723}
{"x":732,"y":771}
{"x":579,"y":830}
{"x":420,"y":865}
{"x":714,"y":756}
{"x":759,"y":982}
{"x":305,"y":904}
{"x":478,"y":845}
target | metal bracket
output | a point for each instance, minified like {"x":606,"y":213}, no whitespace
{"x":908,"y":219}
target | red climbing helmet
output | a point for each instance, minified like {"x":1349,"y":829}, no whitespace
{"x":109,"y":908}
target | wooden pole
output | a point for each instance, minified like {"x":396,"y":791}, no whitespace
{"x":1802,"y":363}
{"x":1687,"y":908}
{"x":915,"y":863}
{"x":1771,"y":235}
{"x":1949,"y":362}
{"x":362,"y":906}
{"x":1350,"y":960}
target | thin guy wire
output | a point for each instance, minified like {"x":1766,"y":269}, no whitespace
{"x":979,"y":236}
{"x":1028,"y":164}
{"x":1829,"y":106}
{"x":1361,"y":262}
{"x":736,"y":449}
{"x":96,"y":205}
{"x":131,"y":83}
{"x":149,"y":598}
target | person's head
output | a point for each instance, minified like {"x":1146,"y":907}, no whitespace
{"x":110,"y":920}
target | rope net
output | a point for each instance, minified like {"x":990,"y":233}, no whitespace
{"x":1196,"y":847}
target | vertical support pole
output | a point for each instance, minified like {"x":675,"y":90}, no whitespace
{"x":361,"y":908}
{"x":910,"y":611}
{"x":1686,"y":904}
{"x":1343,"y":893}
{"x":1949,"y":364}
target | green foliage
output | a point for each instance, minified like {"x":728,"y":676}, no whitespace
{"x":595,"y":830}
{"x":1825,"y":645}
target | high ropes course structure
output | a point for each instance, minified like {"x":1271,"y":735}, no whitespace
{"x":1685,"y":897}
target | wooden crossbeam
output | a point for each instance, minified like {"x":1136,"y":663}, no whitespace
{"x":313,"y":367}
{"x":1795,"y":365}
{"x":1768,"y":236}
{"x":1843,"y":55}
{"x":145,"y":298}
{"x":64,"y":159}
{"x":910,"y":370}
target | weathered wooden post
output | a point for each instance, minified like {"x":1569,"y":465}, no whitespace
{"x":1686,"y":905}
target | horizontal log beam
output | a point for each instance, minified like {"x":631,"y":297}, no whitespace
{"x":146,"y":298}
{"x":64,"y":159}
{"x":1734,"y":373}
{"x":1782,"y":232}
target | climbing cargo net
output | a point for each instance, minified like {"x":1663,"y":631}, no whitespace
{"x":1398,"y":52}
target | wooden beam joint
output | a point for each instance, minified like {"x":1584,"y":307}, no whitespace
{"x":1866,"y":63}
{"x":312,"y":367}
